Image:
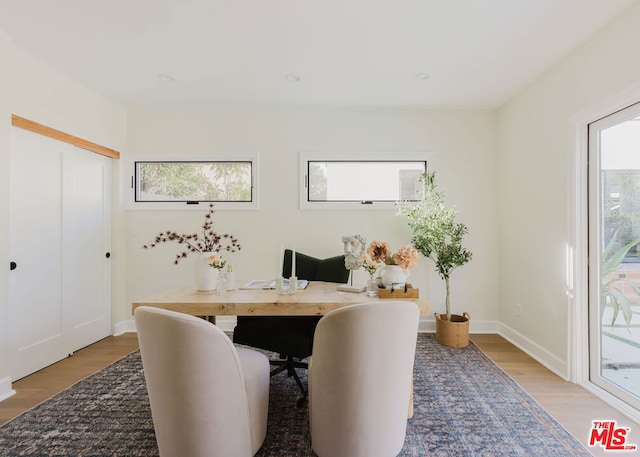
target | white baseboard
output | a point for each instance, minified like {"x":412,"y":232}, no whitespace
{"x":428,"y":325}
{"x":546,"y":358}
{"x":5,"y":388}
{"x":228,"y":323}
{"x":552,"y":362}
{"x":128,"y":326}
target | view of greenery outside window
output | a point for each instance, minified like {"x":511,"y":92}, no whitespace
{"x":363,"y":181}
{"x":621,"y":235}
{"x":193,"y":181}
{"x":621,"y":209}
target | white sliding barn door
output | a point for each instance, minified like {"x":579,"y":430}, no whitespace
{"x":36,"y":333}
{"x":86,"y":247}
{"x":59,"y":290}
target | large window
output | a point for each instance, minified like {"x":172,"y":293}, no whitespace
{"x":333,"y":181}
{"x":229,"y":182}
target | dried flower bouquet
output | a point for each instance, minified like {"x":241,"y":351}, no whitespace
{"x":206,"y":241}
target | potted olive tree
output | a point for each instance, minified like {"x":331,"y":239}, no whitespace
{"x":437,"y":236}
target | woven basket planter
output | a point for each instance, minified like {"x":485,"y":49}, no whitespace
{"x":453,"y":333}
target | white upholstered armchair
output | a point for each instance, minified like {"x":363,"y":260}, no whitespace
{"x":207,"y":397}
{"x":360,"y":379}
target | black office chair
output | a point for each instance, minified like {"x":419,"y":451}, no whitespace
{"x":291,"y":336}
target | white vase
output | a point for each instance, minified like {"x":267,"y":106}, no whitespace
{"x":230,"y":277}
{"x":394,"y":276}
{"x":205,"y":275}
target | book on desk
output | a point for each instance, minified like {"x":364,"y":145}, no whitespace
{"x":267,"y":284}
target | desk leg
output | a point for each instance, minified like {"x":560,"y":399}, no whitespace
{"x":211,"y":319}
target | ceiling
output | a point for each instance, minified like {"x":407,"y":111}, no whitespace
{"x":474,"y":53}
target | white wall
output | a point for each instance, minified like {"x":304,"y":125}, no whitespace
{"x":534,"y":174}
{"x":463,"y":143}
{"x":34,"y":91}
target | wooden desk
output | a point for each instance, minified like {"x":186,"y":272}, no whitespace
{"x":317,"y":299}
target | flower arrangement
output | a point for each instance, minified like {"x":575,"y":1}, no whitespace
{"x":369,"y":265}
{"x":379,"y":251}
{"x":216,"y":261}
{"x":405,"y":257}
{"x":207,"y":241}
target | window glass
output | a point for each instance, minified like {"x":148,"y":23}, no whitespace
{"x":229,"y":181}
{"x":363,"y":181}
{"x":193,"y":181}
{"x":377,"y":180}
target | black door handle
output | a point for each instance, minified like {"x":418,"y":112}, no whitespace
{"x":107,"y":255}
{"x":13,"y":266}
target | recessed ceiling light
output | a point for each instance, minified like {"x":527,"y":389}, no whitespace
{"x":422,"y":76}
{"x":292,"y":78}
{"x":166,"y":78}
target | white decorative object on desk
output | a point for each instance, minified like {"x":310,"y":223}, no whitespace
{"x":354,"y":246}
{"x":230,"y":278}
{"x":394,"y":276}
{"x":293,"y":284}
{"x":350,"y":288}
{"x":205,"y":276}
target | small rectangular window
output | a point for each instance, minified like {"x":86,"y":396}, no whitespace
{"x":165,"y":183}
{"x":354,"y":180}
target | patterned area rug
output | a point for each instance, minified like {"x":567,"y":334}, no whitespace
{"x":465,"y":405}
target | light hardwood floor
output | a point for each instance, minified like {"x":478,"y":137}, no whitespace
{"x":43,"y":384}
{"x":570,"y":404}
